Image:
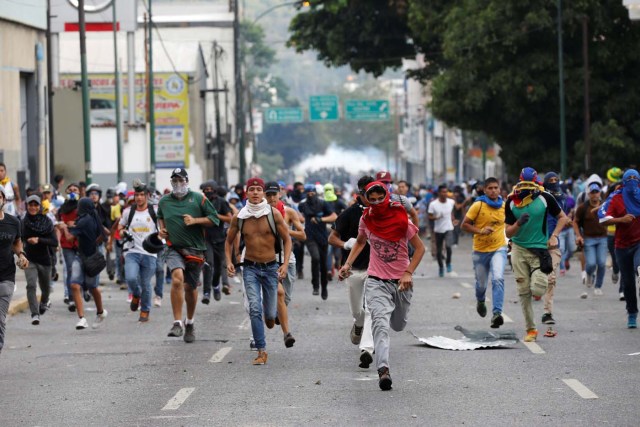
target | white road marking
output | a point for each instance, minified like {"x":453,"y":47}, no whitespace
{"x":234,"y":302}
{"x":634,"y":354}
{"x":220,"y":354}
{"x":580,"y":388}
{"x":176,"y":401}
{"x":245,"y":324}
{"x":466,"y":285}
{"x":507,"y":319}
{"x":534,"y":348}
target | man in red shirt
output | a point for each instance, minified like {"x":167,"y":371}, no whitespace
{"x":67,"y":214}
{"x":622,"y":209}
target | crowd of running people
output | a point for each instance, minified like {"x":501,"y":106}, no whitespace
{"x":371,"y":238}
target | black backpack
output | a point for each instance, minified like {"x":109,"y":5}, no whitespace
{"x":132,"y":213}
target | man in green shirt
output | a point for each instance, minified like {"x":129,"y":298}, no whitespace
{"x":182,"y":214}
{"x":526,"y":219}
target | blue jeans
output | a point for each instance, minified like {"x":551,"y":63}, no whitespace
{"x":595,"y":255}
{"x":265,"y":279}
{"x":68,"y":255}
{"x":567,"y":242}
{"x":159,"y":274}
{"x":494,"y":263}
{"x":138,"y":269}
{"x":629,"y":262}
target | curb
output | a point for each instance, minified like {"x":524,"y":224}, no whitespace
{"x":18,"y":306}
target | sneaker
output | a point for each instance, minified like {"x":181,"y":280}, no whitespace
{"x":44,"y":307}
{"x":300,"y":275}
{"x":584,"y":277}
{"x":206,"y":298}
{"x":72,"y":306}
{"x":217,"y":295}
{"x":449,"y":268}
{"x":123,"y":286}
{"x":129,"y":297}
{"x":441,"y":271}
{"x":66,"y":300}
{"x":548,"y":319}
{"x":497,"y":320}
{"x":226,"y":289}
{"x":532,"y":335}
{"x":176,"y":330}
{"x":135,"y":303}
{"x":481,"y":308}
{"x":100,"y":317}
{"x":384,"y":380}
{"x":567,"y":265}
{"x":584,"y":295}
{"x":82,"y":324}
{"x":366,"y":359}
{"x":144,"y":316}
{"x":622,"y":298}
{"x":316,"y":292}
{"x":356,"y":334}
{"x":261,"y":359}
{"x":35,"y":319}
{"x":614,"y":278}
{"x":289,"y":340}
{"x":189,"y":333}
{"x":252,"y":344}
{"x":598,"y":292}
{"x":157,"y":301}
{"x":632,"y":321}
{"x":111,"y":276}
{"x":87,"y":296}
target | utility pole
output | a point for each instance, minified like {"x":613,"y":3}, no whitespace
{"x":563,"y":136}
{"x":240,"y":122}
{"x":118,"y":97}
{"x":152,"y":119}
{"x":220,"y":167}
{"x":587,"y":108}
{"x":50,"y":94}
{"x":86,"y":126}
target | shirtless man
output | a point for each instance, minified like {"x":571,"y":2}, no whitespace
{"x":285,"y":286}
{"x":261,"y":271}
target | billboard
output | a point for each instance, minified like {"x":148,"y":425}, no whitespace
{"x":171,"y":101}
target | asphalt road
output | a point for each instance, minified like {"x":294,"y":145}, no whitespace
{"x":127,"y":373}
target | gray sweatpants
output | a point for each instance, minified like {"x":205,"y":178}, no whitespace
{"x":37,"y":274}
{"x":6,"y":292}
{"x":388,"y":307}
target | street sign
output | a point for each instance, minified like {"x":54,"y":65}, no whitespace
{"x":283,"y":115}
{"x":366,"y":109}
{"x":323,"y":108}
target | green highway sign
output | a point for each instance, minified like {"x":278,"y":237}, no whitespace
{"x":366,"y":109}
{"x":323,"y":108}
{"x":283,"y":115}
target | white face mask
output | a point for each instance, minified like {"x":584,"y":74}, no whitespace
{"x":180,"y":189}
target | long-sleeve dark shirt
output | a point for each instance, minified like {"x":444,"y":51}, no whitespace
{"x":39,"y":253}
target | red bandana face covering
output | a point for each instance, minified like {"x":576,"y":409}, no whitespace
{"x":387,"y":220}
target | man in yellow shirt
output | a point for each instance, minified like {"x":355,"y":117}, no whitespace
{"x":485,"y":220}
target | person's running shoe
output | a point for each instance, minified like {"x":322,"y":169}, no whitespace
{"x":87,"y":296}
{"x":547,"y":319}
{"x":35,"y":319}
{"x":157,"y":301}
{"x":632,"y":321}
{"x":206,"y":298}
{"x":481,"y":308}
{"x":441,"y":271}
{"x":100,"y":318}
{"x":567,"y":265}
{"x":176,"y":330}
{"x":44,"y":306}
{"x":584,"y":295}
{"x":622,"y":298}
{"x":129,"y":298}
{"x":217,"y":295}
{"x":598,"y":292}
{"x":614,"y":278}
{"x":449,"y":268}
{"x":252,"y":344}
{"x":497,"y":320}
{"x":261,"y":359}
{"x":66,"y":300}
{"x":315,"y":291}
{"x":384,"y":380}
{"x":532,"y":335}
{"x":144,"y":316}
{"x":324,"y":293}
{"x":366,"y":359}
{"x":277,"y":320}
{"x":72,"y":306}
{"x":189,"y":333}
{"x":300,"y":275}
{"x":584,"y":277}
{"x":289,"y":340}
{"x":226,"y":289}
{"x":82,"y":323}
{"x":356,"y":334}
{"x":123,"y":285}
{"x":135,"y":303}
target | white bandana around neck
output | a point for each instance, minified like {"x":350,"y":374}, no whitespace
{"x":251,"y":210}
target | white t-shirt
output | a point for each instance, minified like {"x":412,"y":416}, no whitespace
{"x":442,"y":212}
{"x":141,"y":226}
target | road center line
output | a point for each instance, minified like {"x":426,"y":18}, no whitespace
{"x":466,"y":285}
{"x":176,"y":401}
{"x":245,"y":324}
{"x":534,"y":348}
{"x":219,"y":355}
{"x":580,"y":388}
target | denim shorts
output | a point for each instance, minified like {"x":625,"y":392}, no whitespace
{"x":78,"y":276}
{"x":191,"y":270}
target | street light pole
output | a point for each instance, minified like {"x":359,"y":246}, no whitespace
{"x":86,"y":126}
{"x":152,"y":119}
{"x":563,"y":137}
{"x":118,"y":97}
{"x":238,"y":91}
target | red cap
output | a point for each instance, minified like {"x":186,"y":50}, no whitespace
{"x":252,"y":182}
{"x":384,"y":176}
